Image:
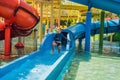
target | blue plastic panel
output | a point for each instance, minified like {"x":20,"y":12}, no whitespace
{"x":108,"y":5}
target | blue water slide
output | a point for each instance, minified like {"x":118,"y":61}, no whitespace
{"x":41,"y":64}
{"x":78,"y":29}
{"x":108,"y":5}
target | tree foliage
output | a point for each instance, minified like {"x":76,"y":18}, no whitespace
{"x":116,"y":37}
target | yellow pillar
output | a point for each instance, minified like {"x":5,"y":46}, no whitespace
{"x":51,"y":18}
{"x":111,"y":36}
{"x":79,"y":16}
{"x":59,"y":15}
{"x":41,"y":18}
{"x":93,"y":42}
{"x":69,"y":13}
{"x":47,"y":17}
{"x":33,"y":3}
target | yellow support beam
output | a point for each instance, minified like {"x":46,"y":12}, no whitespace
{"x":111,"y":37}
{"x":51,"y":18}
{"x":79,"y":16}
{"x":47,"y":26}
{"x":43,"y":1}
{"x":59,"y":14}
{"x":71,"y":7}
{"x":65,"y":17}
{"x":30,"y":2}
{"x":41,"y":18}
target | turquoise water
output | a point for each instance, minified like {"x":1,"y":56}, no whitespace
{"x":96,"y":67}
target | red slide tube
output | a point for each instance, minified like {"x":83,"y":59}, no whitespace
{"x":20,"y":18}
{"x":26,"y":16}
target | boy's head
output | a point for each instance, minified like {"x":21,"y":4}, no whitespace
{"x":58,"y":29}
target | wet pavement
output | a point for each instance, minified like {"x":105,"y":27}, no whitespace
{"x":93,"y":67}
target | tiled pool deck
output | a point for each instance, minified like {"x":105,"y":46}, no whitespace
{"x":94,"y":68}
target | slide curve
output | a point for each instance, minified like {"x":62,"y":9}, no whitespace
{"x":78,"y":29}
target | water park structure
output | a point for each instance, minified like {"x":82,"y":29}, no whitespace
{"x":14,"y":25}
{"x":19,"y":20}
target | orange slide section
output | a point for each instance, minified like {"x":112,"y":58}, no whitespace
{"x":25,"y":15}
{"x":19,"y":19}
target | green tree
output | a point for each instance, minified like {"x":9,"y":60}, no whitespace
{"x":116,"y":37}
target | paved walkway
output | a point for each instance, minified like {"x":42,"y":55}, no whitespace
{"x":94,"y":68}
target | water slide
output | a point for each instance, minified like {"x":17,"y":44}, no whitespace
{"x":110,"y":26}
{"x":19,"y":19}
{"x":23,"y":16}
{"x":102,"y":4}
{"x":42,"y":65}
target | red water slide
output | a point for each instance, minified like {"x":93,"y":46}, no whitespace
{"x":19,"y":19}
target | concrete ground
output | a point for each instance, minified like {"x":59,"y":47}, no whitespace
{"x":95,"y":67}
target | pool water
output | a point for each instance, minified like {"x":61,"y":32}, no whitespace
{"x":94,"y":68}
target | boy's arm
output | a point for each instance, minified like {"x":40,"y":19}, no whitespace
{"x":65,"y":37}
